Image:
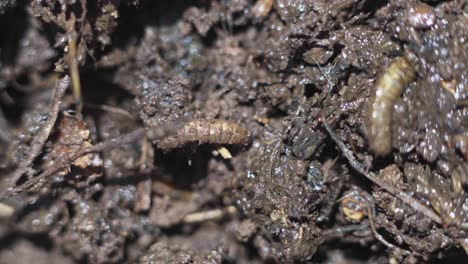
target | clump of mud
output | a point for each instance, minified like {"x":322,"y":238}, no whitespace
{"x":233,"y":131}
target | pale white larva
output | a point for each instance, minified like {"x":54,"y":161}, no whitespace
{"x":387,"y":90}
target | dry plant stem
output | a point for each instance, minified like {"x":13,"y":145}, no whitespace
{"x":40,"y":138}
{"x":406,"y":198}
{"x":327,"y":168}
{"x":64,"y":163}
{"x":210,"y":215}
{"x":370,"y":213}
{"x":143,"y":195}
{"x":74,"y":73}
{"x":72,"y":61}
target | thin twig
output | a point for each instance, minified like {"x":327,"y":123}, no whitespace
{"x":73,"y":63}
{"x":406,"y":198}
{"x":370,"y":204}
{"x":40,"y":138}
{"x":65,"y":162}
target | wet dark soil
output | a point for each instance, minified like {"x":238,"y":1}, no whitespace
{"x":295,"y":134}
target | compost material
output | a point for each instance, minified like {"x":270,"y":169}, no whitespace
{"x":234,"y":131}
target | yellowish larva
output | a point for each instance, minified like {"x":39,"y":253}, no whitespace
{"x":387,"y":90}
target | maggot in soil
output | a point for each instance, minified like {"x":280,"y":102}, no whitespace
{"x":387,"y":90}
{"x":206,"y":131}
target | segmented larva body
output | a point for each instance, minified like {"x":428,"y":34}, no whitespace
{"x":387,"y":90}
{"x":206,"y":131}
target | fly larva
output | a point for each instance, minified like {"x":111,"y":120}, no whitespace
{"x":387,"y":90}
{"x":205,"y":131}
